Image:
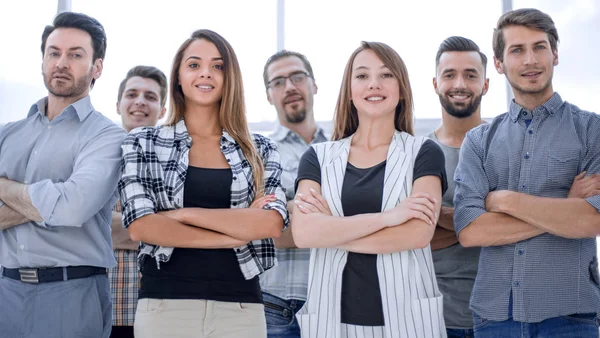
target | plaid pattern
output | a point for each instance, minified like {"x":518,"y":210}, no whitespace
{"x":154,"y":167}
{"x":124,"y":286}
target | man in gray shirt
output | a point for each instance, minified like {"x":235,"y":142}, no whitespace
{"x":290,"y":85}
{"x":58,"y":178}
{"x":521,"y":195}
{"x":460,"y":82}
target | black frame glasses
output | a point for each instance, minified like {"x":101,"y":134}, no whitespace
{"x":296,"y":78}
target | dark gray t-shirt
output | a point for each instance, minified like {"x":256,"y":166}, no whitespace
{"x":362,"y":192}
{"x":455,"y":266}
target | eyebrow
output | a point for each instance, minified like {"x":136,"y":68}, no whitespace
{"x":199,"y":58}
{"x":541,"y":42}
{"x":365,"y":67}
{"x":71,"y":49}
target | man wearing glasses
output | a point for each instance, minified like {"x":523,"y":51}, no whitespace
{"x":290,"y":87}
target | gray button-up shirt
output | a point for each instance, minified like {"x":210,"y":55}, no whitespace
{"x":537,"y":153}
{"x":289,"y":279}
{"x":71,"y":166}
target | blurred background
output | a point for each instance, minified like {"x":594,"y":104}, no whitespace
{"x":149,"y":32}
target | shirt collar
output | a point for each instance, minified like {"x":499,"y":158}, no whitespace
{"x":82,"y":107}
{"x":181,"y":133}
{"x":280,"y":133}
{"x":549,"y":107}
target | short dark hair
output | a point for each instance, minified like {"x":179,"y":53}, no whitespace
{"x":459,"y":44}
{"x":85,"y":23}
{"x":147,"y":72}
{"x":283,"y":54}
{"x":527,"y":17}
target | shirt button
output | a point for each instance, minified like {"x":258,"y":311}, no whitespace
{"x":26,"y":182}
{"x":517,"y":284}
{"x":228,"y":160}
{"x":523,"y":186}
{"x":234,"y":204}
{"x":22,"y":247}
{"x":530,"y":131}
{"x":35,"y":152}
{"x":234,"y":178}
{"x":49,"y":127}
{"x":526,"y":156}
{"x":238,"y":250}
{"x":521,"y":251}
{"x":524,"y":113}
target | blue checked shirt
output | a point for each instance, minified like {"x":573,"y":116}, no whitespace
{"x":537,"y":153}
{"x":289,"y":280}
{"x":154,"y":166}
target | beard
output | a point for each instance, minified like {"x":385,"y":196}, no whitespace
{"x":296,"y":116}
{"x":462,"y":111}
{"x":79,"y":86}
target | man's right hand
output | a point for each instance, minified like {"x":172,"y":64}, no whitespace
{"x":584,"y":187}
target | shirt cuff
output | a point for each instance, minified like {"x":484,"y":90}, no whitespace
{"x":594,"y":201}
{"x":44,"y":196}
{"x":465,"y":216}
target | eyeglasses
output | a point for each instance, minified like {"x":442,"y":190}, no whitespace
{"x":296,"y":78}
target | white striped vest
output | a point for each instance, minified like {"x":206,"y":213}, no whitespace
{"x":412,"y":303}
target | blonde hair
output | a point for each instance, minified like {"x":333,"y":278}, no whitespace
{"x":232,"y":110}
{"x":346,"y":117}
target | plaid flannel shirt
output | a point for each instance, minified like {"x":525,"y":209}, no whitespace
{"x":154,"y":167}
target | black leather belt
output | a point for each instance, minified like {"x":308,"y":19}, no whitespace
{"x":47,"y":275}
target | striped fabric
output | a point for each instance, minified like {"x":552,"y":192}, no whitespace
{"x":536,"y":153}
{"x":154,"y":167}
{"x":412,"y":303}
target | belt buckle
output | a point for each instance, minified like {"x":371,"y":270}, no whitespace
{"x":29,"y":276}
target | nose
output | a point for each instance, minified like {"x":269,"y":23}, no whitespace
{"x":459,"y":82}
{"x":205,"y":73}
{"x":140,"y":100}
{"x":289,"y":86}
{"x":62,"y":62}
{"x":375,"y":84}
{"x":530,"y":58}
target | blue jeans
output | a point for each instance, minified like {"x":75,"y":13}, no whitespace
{"x":573,"y":326}
{"x":460,"y":333}
{"x":281,"y":316}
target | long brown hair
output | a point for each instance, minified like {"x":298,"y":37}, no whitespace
{"x":232,"y":110}
{"x":346,"y":116}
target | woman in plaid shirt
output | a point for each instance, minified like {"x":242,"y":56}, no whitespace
{"x":186,"y":190}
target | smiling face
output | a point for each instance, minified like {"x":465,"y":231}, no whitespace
{"x":201,"y":74}
{"x":374,"y":89}
{"x":67,"y":66}
{"x":292,"y":101}
{"x":460,"y":83}
{"x":140,"y":104}
{"x":528,"y":62}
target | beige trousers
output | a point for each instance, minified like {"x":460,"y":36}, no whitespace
{"x":183,"y":318}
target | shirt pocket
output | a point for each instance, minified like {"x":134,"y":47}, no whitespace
{"x":562,"y":169}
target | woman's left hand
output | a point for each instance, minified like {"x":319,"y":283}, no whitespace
{"x":313,"y":203}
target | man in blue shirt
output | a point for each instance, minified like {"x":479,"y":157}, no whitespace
{"x":58,"y":176}
{"x":521,"y":194}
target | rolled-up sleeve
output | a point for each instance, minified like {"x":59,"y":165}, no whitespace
{"x":90,"y":186}
{"x":272,"y":180}
{"x":472,"y":185}
{"x":135,"y":186}
{"x":591,"y":161}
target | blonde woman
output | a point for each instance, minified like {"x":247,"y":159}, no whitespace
{"x":186,"y":188}
{"x":367,"y":204}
